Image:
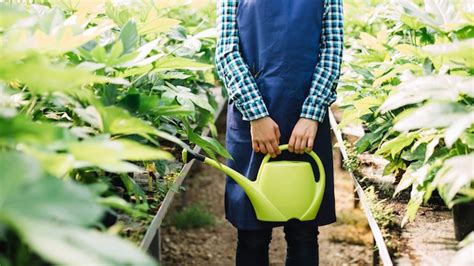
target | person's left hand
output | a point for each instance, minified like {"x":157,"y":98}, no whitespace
{"x":303,"y":135}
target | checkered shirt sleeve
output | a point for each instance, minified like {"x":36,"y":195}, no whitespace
{"x":326,"y":75}
{"x":231,"y":68}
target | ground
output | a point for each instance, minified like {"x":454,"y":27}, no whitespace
{"x":346,"y":242}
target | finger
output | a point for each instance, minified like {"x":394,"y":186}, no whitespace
{"x":270,"y":148}
{"x":255,"y":146}
{"x":310,"y":143}
{"x":291,"y":143}
{"x":304,"y":141}
{"x":276,"y":149}
{"x":263,"y":149}
{"x":297,"y":144}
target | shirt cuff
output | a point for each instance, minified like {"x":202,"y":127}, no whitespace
{"x":314,"y":111}
{"x":253,"y":109}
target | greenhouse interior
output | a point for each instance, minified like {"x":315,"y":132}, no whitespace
{"x":236,"y":132}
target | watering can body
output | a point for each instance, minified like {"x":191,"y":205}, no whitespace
{"x":283,"y":190}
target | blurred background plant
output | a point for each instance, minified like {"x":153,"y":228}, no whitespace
{"x":408,"y":79}
{"x":89,"y":91}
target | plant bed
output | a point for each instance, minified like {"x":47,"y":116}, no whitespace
{"x":429,"y":238}
{"x":160,"y":214}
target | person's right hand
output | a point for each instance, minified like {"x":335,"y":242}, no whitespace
{"x":265,"y":136}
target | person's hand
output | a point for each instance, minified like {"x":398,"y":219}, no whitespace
{"x":303,"y":135}
{"x":265,"y":136}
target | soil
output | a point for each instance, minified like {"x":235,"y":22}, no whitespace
{"x":346,"y":242}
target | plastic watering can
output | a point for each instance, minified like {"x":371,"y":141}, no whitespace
{"x":283,"y":190}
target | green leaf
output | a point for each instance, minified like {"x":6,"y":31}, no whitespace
{"x":173,"y":63}
{"x":21,"y":130}
{"x":60,"y":78}
{"x":112,"y":155}
{"x":457,"y":172}
{"x":48,"y":213}
{"x":129,"y":36}
{"x":26,"y":193}
{"x":80,"y":246}
{"x":460,"y":52}
{"x":134,"y":189}
{"x":410,"y":177}
{"x":455,"y":117}
{"x":419,"y":89}
{"x":185,"y":97}
{"x":56,"y":164}
{"x":157,"y":24}
{"x":396,"y":145}
{"x":415,"y":154}
{"x":118,"y":121}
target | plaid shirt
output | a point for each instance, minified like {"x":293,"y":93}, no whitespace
{"x":240,"y":82}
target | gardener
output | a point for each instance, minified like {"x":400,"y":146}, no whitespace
{"x":280,"y":62}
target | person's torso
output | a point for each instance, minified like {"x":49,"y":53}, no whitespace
{"x":279,"y":40}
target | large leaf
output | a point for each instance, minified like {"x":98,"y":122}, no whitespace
{"x":410,"y":177}
{"x":455,"y":117}
{"x":394,"y":146}
{"x":185,"y":97}
{"x":461,"y":52}
{"x":48,"y":213}
{"x":32,"y":72}
{"x":172,"y":63}
{"x":456,"y":173}
{"x":157,"y":24}
{"x":129,"y":36}
{"x":20,"y":129}
{"x":440,"y":87}
{"x":112,"y":155}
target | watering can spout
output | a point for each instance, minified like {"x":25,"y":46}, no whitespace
{"x":187,"y":156}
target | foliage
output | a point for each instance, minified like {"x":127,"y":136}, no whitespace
{"x":383,"y":213}
{"x":89,"y":91}
{"x":408,"y":80}
{"x":352,"y":163}
{"x":194,"y":216}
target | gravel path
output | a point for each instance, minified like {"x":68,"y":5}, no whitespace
{"x":347,"y":242}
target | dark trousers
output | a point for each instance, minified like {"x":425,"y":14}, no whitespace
{"x":301,"y":239}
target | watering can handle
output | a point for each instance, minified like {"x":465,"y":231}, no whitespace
{"x":310,"y":153}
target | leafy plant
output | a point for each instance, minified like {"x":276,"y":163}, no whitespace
{"x":90,"y":93}
{"x":408,"y":80}
{"x":194,"y":216}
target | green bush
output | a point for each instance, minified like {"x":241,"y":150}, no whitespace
{"x":407,"y":79}
{"x":193,"y":216}
{"x":91,"y":91}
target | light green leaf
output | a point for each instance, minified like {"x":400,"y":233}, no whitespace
{"x":457,"y":128}
{"x":112,"y":155}
{"x":419,"y":89}
{"x":129,"y":36}
{"x":461,"y":52}
{"x":157,"y":24}
{"x":437,"y":115}
{"x":80,"y":246}
{"x":26,"y":193}
{"x":173,"y":63}
{"x":457,"y":172}
{"x":394,"y":146}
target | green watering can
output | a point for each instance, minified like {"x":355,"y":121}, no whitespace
{"x":283,"y":190}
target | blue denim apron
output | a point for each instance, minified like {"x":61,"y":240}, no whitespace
{"x":279,"y":41}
